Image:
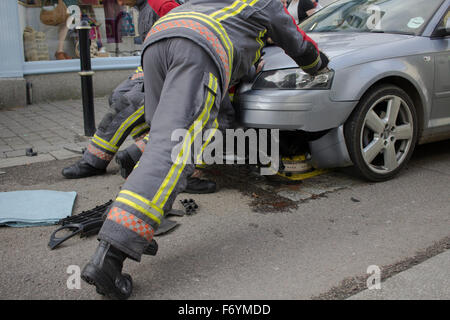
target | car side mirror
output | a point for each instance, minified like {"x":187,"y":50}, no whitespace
{"x":443,"y":30}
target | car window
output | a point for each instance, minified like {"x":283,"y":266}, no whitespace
{"x":390,"y":16}
{"x":445,"y":20}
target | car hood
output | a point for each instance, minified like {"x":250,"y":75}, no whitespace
{"x":342,"y":48}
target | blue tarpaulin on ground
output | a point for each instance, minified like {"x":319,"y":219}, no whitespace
{"x":35,"y":207}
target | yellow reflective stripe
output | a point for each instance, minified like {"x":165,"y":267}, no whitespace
{"x":312,"y":65}
{"x":201,"y":166}
{"x":183,"y":152}
{"x":303,"y":176}
{"x":211,"y":22}
{"x":137,"y":165}
{"x":142,"y":199}
{"x":185,"y":155}
{"x":208,"y":140}
{"x":126,"y":124}
{"x":223,"y":10}
{"x":261,"y":45}
{"x":138,"y":208}
{"x":138,"y":129}
{"x":233,"y":12}
{"x":104,"y":144}
{"x":213,"y":15}
{"x":214,"y":88}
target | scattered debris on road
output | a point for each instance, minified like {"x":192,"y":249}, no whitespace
{"x":86,"y":223}
{"x":189,"y":206}
{"x":30,"y":153}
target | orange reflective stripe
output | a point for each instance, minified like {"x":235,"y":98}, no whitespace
{"x":99,"y":153}
{"x":203,"y":31}
{"x":141,"y":145}
{"x":131,"y":222}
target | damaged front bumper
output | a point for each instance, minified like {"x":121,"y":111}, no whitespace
{"x":305,"y":110}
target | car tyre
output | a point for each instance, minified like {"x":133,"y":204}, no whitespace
{"x":381,"y":133}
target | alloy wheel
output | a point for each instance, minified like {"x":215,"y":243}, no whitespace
{"x":387,"y":134}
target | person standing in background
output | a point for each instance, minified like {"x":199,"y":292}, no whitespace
{"x":60,"y":54}
{"x":301,"y":9}
{"x":317,"y":4}
{"x":112,"y":10}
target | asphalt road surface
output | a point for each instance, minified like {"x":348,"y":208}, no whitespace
{"x":253,"y":239}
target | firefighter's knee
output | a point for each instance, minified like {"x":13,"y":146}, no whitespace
{"x":107,"y":119}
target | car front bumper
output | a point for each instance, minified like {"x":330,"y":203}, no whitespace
{"x":308,"y":110}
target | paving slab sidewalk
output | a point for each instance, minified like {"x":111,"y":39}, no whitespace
{"x":53,"y":129}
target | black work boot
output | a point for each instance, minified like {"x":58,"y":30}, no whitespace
{"x":81,"y":169}
{"x":105,"y":272}
{"x":151,"y":249}
{"x":125,"y":162}
{"x":200,"y":186}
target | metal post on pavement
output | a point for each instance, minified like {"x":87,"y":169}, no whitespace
{"x":87,"y":91}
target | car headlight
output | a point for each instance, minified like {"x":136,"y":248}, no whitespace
{"x":293,"y":79}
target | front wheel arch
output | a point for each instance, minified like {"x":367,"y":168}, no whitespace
{"x":411,"y":88}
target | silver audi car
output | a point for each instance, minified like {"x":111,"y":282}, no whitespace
{"x":388,"y":87}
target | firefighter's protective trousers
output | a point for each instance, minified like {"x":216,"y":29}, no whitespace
{"x":126,"y":117}
{"x":184,"y":93}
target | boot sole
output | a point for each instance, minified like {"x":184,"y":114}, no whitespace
{"x":199,"y":192}
{"x":103,"y":284}
{"x":81,"y":177}
{"x":84,"y":176}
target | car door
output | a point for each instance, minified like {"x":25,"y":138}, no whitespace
{"x":441,"y":100}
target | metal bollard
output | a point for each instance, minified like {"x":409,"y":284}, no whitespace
{"x":87,"y":91}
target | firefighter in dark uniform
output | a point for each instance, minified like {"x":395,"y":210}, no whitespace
{"x":126,"y":114}
{"x":190,"y":58}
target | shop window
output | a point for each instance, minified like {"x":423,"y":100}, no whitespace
{"x":49,"y":28}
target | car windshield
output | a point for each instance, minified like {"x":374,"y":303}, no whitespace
{"x":390,"y":16}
